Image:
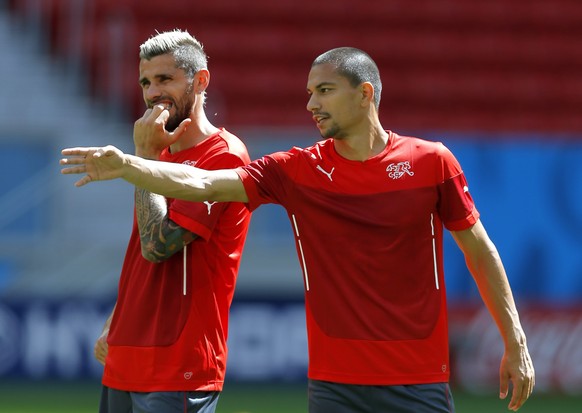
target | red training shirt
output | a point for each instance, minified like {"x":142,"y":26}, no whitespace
{"x":160,"y":338}
{"x":369,"y":240}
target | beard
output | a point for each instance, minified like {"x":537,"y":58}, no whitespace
{"x":334,"y":131}
{"x":183,"y":109}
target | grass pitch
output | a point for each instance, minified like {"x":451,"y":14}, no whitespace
{"x":83,"y":397}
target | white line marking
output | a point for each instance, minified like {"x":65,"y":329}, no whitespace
{"x":185,"y":261}
{"x":301,"y":251}
{"x":434,"y":255}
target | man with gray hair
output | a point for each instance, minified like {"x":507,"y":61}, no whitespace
{"x":164,"y":345}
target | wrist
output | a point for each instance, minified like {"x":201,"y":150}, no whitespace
{"x":516,"y":341}
{"x":129,"y":164}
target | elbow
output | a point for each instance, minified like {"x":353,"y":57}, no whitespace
{"x":152,"y":256}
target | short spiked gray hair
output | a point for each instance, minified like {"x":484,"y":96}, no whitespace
{"x":187,"y":51}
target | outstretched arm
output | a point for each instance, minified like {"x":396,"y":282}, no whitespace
{"x":487,"y":269}
{"x":169,"y":179}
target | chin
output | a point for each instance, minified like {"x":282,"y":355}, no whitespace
{"x":335,"y":135}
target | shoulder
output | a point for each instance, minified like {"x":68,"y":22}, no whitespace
{"x":428,"y":155}
{"x":422,"y":146}
{"x":317,"y":151}
{"x":223,"y":150}
{"x":297,"y":154}
{"x":232,"y":144}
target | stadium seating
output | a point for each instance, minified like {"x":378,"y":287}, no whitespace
{"x":495,"y":65}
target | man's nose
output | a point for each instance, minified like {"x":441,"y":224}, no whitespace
{"x":312,"y":103}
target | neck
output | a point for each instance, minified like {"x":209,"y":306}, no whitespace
{"x":199,"y":129}
{"x":363,"y":145}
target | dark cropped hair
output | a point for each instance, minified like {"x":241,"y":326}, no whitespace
{"x":187,"y":51}
{"x":356,"y":66}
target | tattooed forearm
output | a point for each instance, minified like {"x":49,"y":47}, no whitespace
{"x":160,"y":237}
{"x":150,"y":210}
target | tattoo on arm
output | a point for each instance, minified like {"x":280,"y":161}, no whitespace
{"x":160,"y":237}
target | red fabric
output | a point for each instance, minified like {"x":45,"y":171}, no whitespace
{"x":369,"y":240}
{"x":161,"y":339}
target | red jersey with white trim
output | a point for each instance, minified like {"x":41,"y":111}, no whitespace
{"x":369,"y":240}
{"x":169,"y":329}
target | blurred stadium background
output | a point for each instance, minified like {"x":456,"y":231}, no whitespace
{"x":499,"y":82}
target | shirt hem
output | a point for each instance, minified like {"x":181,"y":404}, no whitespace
{"x":124,"y":385}
{"x":379,"y":380}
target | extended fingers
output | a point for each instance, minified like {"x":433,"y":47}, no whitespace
{"x":79,"y":155}
{"x":78,"y":151}
{"x":155,"y":113}
{"x":160,"y":115}
{"x":71,"y":170}
{"x":161,"y":112}
{"x":79,"y":160}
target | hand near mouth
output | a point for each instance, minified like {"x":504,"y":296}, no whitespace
{"x":150,"y":135}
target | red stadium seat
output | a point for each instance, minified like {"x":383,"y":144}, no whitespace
{"x":448,"y":64}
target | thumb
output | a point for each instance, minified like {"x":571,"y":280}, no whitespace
{"x":503,"y":385}
{"x":180,"y":130}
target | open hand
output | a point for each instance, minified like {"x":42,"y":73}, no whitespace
{"x":99,"y":164}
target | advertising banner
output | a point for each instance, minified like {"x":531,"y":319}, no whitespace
{"x":267,"y":341}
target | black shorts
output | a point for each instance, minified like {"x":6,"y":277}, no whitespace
{"x":326,"y":397}
{"x":117,"y":401}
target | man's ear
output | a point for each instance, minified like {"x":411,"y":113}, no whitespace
{"x":201,"y":80}
{"x":367,"y":93}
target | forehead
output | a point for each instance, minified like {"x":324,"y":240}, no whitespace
{"x":324,"y":73}
{"x":159,"y":64}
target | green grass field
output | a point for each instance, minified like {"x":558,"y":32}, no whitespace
{"x":59,"y":397}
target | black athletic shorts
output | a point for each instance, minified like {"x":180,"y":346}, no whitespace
{"x":326,"y":397}
{"x":117,"y":401}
